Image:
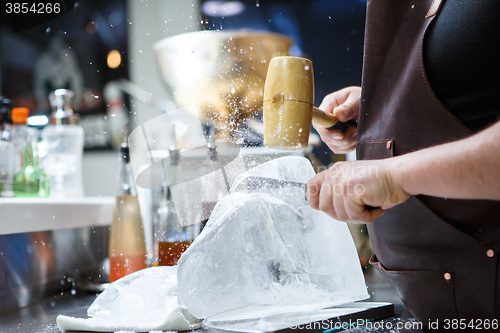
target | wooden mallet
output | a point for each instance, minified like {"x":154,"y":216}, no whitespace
{"x":289,"y":104}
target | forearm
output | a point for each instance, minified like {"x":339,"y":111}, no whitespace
{"x":464,"y":169}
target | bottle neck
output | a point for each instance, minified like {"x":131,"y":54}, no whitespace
{"x":166,"y":198}
{"x":6,"y":132}
{"x":126,"y":185}
{"x":30,"y":151}
{"x":63,"y":117}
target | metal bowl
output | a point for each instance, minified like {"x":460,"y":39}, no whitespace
{"x":221,"y":72}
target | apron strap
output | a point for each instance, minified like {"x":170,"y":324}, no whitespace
{"x":434,"y":9}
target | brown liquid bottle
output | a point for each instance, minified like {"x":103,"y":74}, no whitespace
{"x":127,"y":248}
{"x":171,"y":236}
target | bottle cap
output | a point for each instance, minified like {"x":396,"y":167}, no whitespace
{"x":175,"y":156}
{"x":124,"y":153}
{"x":124,"y":150}
{"x":60,"y":100}
{"x":212,"y":148}
{"x":20,"y":115}
{"x":5,"y":110}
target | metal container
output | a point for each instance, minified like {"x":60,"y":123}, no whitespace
{"x":49,"y":245}
{"x":222,"y":73}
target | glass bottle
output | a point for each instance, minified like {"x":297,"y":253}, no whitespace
{"x":6,"y":148}
{"x":31,"y":180}
{"x":173,"y":238}
{"x":127,"y":249}
{"x":19,"y":135}
{"x":61,"y":149}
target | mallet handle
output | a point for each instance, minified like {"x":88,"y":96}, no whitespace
{"x":328,"y":120}
{"x":323,"y":118}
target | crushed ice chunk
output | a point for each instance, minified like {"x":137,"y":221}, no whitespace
{"x":143,"y":301}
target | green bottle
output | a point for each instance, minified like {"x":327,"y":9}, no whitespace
{"x":31,"y":181}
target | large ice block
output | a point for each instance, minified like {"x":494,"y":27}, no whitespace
{"x":264,"y":245}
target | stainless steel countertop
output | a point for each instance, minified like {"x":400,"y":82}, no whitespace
{"x":41,"y":317}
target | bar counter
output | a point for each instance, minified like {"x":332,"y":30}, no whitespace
{"x":41,"y":317}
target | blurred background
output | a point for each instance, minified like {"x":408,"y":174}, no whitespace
{"x":98,"y":42}
{"x":110,"y":55}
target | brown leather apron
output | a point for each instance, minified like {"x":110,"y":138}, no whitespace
{"x":440,"y":255}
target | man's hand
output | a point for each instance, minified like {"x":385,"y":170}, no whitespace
{"x":356,"y":191}
{"x":344,"y":104}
